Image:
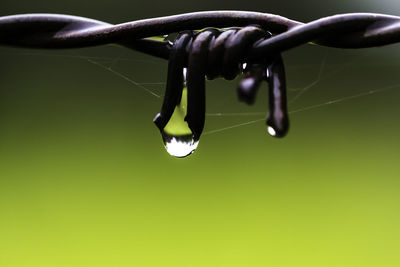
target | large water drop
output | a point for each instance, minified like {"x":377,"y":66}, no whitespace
{"x":177,"y":136}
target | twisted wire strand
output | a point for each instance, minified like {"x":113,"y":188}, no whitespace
{"x":243,"y":42}
{"x":353,"y":30}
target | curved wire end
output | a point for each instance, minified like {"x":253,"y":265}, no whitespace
{"x":278,"y":118}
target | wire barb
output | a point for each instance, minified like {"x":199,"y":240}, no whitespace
{"x":230,"y":43}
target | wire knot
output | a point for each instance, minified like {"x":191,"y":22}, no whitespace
{"x":212,"y":53}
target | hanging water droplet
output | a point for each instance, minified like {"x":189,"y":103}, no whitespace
{"x":271,"y":131}
{"x":177,"y":136}
{"x":243,"y":66}
{"x":179,"y":146}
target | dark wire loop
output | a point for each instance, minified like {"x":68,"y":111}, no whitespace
{"x":196,"y":84}
{"x":215,"y":55}
{"x":174,"y":87}
{"x":247,"y":89}
{"x":278,"y":119}
{"x":236,"y":47}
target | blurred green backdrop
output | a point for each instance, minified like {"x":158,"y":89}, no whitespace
{"x":85,"y":180}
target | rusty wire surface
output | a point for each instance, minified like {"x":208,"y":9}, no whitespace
{"x":208,"y":45}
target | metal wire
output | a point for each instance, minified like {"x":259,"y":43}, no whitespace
{"x":353,"y":30}
{"x":254,"y":39}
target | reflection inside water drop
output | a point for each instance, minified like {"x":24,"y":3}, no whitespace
{"x":179,"y":145}
{"x":177,"y":136}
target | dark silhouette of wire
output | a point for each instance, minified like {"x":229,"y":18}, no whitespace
{"x":208,"y":45}
{"x":353,"y":30}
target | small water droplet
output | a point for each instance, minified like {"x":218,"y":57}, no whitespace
{"x":178,"y":138}
{"x":271,"y":131}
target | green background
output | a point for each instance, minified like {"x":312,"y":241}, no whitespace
{"x":85,"y":180}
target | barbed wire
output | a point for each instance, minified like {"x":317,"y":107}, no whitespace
{"x":208,"y":45}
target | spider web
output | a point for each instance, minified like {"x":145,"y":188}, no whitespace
{"x":109,"y":64}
